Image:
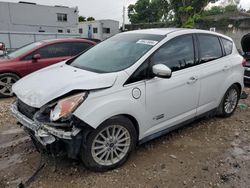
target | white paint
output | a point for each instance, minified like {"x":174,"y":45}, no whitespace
{"x":47,"y":86}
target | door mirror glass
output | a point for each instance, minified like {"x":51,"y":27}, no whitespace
{"x":162,"y":71}
{"x":36,"y":57}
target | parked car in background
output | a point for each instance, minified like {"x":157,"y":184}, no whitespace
{"x":127,"y":90}
{"x":2,"y":49}
{"x":245,"y":43}
{"x":35,"y":56}
{"x":94,"y":40}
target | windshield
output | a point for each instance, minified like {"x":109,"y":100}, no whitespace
{"x":23,"y":49}
{"x":116,"y":53}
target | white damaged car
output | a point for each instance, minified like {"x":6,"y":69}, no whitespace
{"x":127,"y":90}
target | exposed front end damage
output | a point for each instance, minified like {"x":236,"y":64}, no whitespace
{"x":56,"y":138}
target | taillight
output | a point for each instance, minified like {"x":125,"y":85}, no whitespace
{"x":244,"y":62}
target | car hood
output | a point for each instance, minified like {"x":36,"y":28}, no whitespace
{"x":43,"y":86}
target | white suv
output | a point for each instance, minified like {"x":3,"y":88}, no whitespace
{"x":127,"y":90}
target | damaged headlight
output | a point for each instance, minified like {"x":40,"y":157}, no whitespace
{"x":65,"y":107}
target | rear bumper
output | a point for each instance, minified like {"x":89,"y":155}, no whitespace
{"x":247,"y":76}
{"x":247,"y":80}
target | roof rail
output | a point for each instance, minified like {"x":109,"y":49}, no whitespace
{"x":61,"y":6}
{"x":24,"y":2}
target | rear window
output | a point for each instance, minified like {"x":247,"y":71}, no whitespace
{"x":228,"y":46}
{"x":210,"y":48}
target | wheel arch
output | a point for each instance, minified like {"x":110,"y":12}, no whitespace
{"x":238,"y":86}
{"x":11,"y":72}
{"x":132,"y":119}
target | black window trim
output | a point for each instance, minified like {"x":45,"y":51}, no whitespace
{"x":223,"y":47}
{"x":148,"y":60}
{"x":199,"y":50}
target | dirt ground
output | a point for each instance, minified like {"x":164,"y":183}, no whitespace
{"x":211,"y":152}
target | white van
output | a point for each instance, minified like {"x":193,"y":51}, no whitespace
{"x":127,"y":90}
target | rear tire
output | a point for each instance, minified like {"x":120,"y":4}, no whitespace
{"x":109,"y":146}
{"x":6,"y":82}
{"x":229,"y":102}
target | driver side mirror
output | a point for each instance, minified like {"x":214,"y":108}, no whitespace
{"x":36,"y":57}
{"x":2,"y":47}
{"x":162,"y":71}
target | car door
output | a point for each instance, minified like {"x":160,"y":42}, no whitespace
{"x":49,"y":55}
{"x":215,"y":69}
{"x":174,"y":100}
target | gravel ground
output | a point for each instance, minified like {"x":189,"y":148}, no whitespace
{"x":211,"y":152}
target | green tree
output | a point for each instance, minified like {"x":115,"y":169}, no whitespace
{"x":186,"y":12}
{"x":147,"y":11}
{"x":231,"y":8}
{"x":90,"y":19}
{"x":248,"y":11}
{"x":82,"y":19}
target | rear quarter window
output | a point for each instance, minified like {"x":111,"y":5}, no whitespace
{"x":228,"y":46}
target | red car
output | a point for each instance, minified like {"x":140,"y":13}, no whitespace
{"x":35,"y":56}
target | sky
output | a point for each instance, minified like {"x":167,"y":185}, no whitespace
{"x":101,"y":9}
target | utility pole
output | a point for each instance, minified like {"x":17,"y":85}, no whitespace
{"x":123,"y":19}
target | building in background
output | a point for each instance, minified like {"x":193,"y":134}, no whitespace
{"x":98,"y":29}
{"x":31,"y":17}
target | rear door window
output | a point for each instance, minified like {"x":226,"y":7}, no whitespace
{"x":52,"y":51}
{"x":209,"y":48}
{"x":55,"y":50}
{"x":228,"y":46}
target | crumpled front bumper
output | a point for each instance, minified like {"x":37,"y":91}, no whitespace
{"x":43,"y":133}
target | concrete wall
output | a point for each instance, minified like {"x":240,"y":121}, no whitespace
{"x":99,"y":24}
{"x":32,"y":18}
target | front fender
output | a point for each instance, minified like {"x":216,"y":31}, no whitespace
{"x":96,"y":110}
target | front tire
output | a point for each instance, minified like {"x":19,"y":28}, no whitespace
{"x":229,"y":102}
{"x":109,"y":146}
{"x":6,"y":82}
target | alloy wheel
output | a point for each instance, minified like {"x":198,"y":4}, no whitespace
{"x":111,"y":145}
{"x":6,"y":85}
{"x":231,"y":101}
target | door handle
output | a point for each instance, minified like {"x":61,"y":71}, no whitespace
{"x":192,"y":80}
{"x":226,"y":67}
